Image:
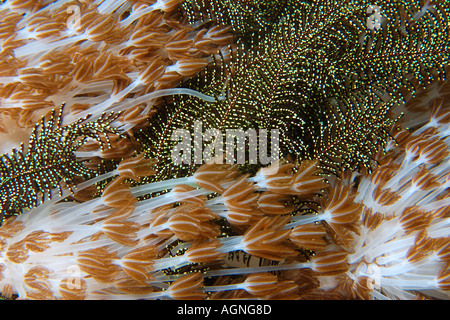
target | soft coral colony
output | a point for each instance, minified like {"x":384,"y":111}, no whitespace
{"x":93,"y":57}
{"x":290,"y":233}
{"x":386,"y":238}
{"x":94,"y":53}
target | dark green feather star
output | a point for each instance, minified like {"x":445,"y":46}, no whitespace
{"x":316,"y":71}
{"x":28,"y":176}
